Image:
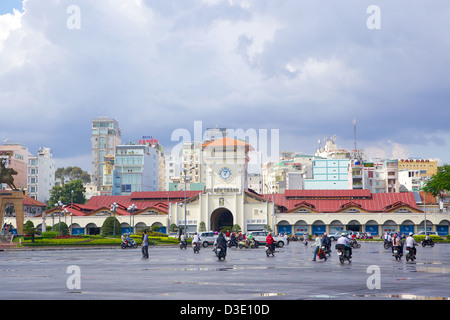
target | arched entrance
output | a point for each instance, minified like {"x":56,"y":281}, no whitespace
{"x":221,"y":217}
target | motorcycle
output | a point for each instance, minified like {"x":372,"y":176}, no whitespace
{"x":128,"y":244}
{"x":397,"y":253}
{"x":232,"y":243}
{"x":196,"y":247}
{"x":269,"y":250}
{"x":428,"y":242}
{"x":251,"y":244}
{"x":326,"y":250}
{"x":220,"y":253}
{"x":410,"y":255}
{"x":387,"y":244}
{"x":183,"y":245}
{"x":343,"y":254}
{"x":355,"y":244}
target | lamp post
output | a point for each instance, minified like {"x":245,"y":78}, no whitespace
{"x":59,"y":204}
{"x":65,"y":212}
{"x":185,"y":178}
{"x":114,"y":207}
{"x":131,"y":209}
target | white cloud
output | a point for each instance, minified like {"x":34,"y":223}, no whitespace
{"x":302,"y":67}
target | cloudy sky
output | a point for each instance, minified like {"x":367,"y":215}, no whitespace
{"x":304,"y":68}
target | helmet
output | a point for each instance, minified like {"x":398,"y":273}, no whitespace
{"x":216,"y":232}
{"x":410,"y":233}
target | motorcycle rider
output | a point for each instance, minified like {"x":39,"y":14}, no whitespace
{"x":270,"y":242}
{"x":411,"y":243}
{"x":396,"y":243}
{"x":233,"y":239}
{"x":343,"y":242}
{"x":326,"y":241}
{"x":222,"y":242}
{"x":183,"y":239}
{"x":196,"y":239}
{"x":249,"y":239}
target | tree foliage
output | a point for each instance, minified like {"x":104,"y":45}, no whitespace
{"x":438,"y":183}
{"x":64,"y":193}
{"x":108,"y":227}
{"x":72,"y":173}
{"x":64,"y":228}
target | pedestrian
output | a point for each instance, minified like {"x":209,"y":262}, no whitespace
{"x":145,"y":244}
{"x":317,"y":244}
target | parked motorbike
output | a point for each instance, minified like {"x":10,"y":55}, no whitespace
{"x":397,"y":253}
{"x":343,"y":253}
{"x":428,"y":242}
{"x":410,"y":255}
{"x":183,"y":245}
{"x":220,"y":253}
{"x":128,"y":244}
{"x":250,"y":244}
{"x":269,"y":250}
{"x":196,"y":247}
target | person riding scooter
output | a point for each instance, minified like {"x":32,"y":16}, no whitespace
{"x":343,"y":243}
{"x":270,"y":242}
{"x":326,"y":241}
{"x":396,"y":244}
{"x":411,"y":244}
{"x":222,"y":242}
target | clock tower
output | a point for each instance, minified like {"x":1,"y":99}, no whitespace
{"x":226,"y":165}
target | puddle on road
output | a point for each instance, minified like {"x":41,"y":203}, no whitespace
{"x":269,"y":294}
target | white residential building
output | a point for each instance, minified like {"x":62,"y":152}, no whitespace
{"x":41,"y":175}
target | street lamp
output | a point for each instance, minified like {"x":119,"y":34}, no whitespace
{"x":59,"y":204}
{"x":65,"y":212}
{"x":114,"y":207}
{"x":185,"y":178}
{"x":131,"y":209}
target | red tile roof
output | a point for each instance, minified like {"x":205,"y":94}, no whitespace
{"x":335,"y":200}
{"x":227,"y":141}
{"x":28,"y":201}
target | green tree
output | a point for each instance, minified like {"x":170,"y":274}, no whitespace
{"x":72,"y":173}
{"x":29,"y":229}
{"x":63,"y":226}
{"x":64,"y":193}
{"x":439,"y":183}
{"x":236,"y":228}
{"x":108,"y":227}
{"x":173,"y":227}
{"x":202,"y":227}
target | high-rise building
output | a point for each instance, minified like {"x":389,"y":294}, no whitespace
{"x":41,"y":175}
{"x":136,"y":168}
{"x":106,"y":136}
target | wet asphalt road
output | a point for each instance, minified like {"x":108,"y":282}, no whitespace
{"x":174,"y":274}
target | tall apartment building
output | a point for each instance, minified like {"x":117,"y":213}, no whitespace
{"x":136,"y":168}
{"x":106,"y":135}
{"x":381,"y":176}
{"x":330,"y":174}
{"x":41,"y":175}
{"x":16,"y":156}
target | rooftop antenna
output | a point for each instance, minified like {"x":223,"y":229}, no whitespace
{"x":355,"y":152}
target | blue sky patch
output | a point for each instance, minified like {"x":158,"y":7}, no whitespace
{"x":7,"y":6}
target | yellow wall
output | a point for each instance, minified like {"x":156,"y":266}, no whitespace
{"x":430,"y":166}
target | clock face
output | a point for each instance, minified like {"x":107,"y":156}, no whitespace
{"x":225,"y":173}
